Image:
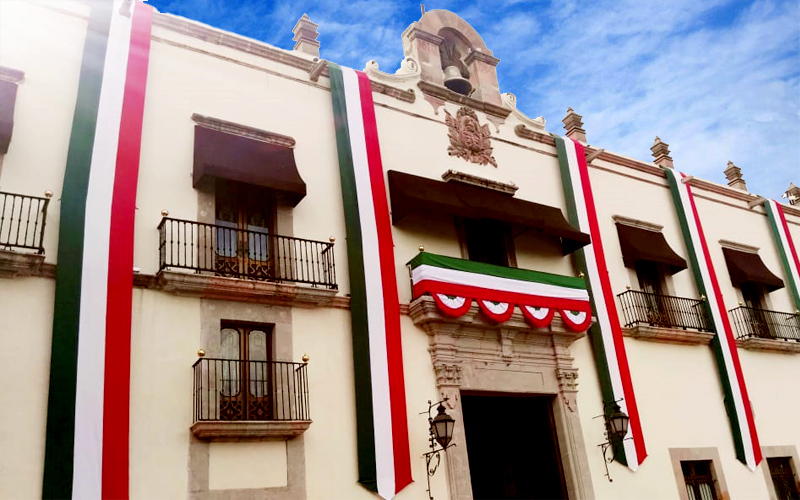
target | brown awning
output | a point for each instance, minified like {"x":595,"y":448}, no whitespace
{"x":747,"y":267}
{"x":8,"y":97}
{"x":236,"y":158}
{"x":411,"y":193}
{"x":639,"y":244}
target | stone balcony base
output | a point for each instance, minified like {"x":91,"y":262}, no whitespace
{"x":249,"y":430}
{"x":771,"y":345}
{"x":668,"y":335}
{"x":262,"y":292}
{"x":15,"y":264}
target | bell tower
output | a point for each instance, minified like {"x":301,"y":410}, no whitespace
{"x":451,"y":54}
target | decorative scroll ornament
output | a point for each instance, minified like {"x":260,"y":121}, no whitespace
{"x":468,"y":138}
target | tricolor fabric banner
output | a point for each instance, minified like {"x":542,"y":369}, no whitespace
{"x":384,"y":464}
{"x":606,"y":333}
{"x":737,"y":403}
{"x":455,"y":283}
{"x":86,"y":448}
{"x":786,"y":248}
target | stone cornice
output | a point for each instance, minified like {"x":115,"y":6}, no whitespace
{"x":446,"y":94}
{"x":741,"y":247}
{"x":416,"y":32}
{"x":649,"y":226}
{"x":532,"y":135}
{"x":668,"y":335}
{"x":243,"y":131}
{"x":11,"y":75}
{"x":17,"y":264}
{"x":769,"y":345}
{"x":255,"y":430}
{"x":477,"y":55}
{"x":473,"y":180}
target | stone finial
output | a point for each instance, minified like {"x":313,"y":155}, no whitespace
{"x":573,"y":124}
{"x":734,"y":176}
{"x":660,"y":151}
{"x":793,"y":194}
{"x":305,"y":34}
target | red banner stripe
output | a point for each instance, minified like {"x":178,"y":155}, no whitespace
{"x":453,"y":312}
{"x":497,"y":317}
{"x":391,"y":302}
{"x":478,"y":293}
{"x":728,"y":332}
{"x":116,"y":405}
{"x":535,"y":322}
{"x":622,"y":358}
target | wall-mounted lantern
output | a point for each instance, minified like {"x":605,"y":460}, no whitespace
{"x":440,"y":429}
{"x":616,"y":430}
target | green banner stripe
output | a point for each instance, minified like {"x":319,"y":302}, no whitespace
{"x":424,"y":258}
{"x":775,"y":225}
{"x":365,"y":434}
{"x":579,"y":261}
{"x":60,"y":433}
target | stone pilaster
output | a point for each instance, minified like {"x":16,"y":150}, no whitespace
{"x":305,"y":34}
{"x":660,"y":151}
{"x":483,"y":68}
{"x":573,"y":124}
{"x":424,"y":47}
{"x":734,"y":176}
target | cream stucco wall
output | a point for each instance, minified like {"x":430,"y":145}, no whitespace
{"x":677,"y":386}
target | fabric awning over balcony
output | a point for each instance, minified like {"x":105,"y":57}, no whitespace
{"x":227,"y":156}
{"x":411,"y":193}
{"x":747,"y":267}
{"x":8,"y":98}
{"x":639,"y":244}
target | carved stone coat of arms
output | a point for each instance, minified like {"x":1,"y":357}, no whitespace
{"x":468,"y":138}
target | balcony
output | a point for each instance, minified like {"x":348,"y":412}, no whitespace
{"x":241,"y":399}
{"x":754,"y":326}
{"x":22,"y":223}
{"x":666,"y":318}
{"x":232,"y":263}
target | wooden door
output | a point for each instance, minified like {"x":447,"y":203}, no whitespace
{"x":246,"y":373}
{"x":244,"y":221}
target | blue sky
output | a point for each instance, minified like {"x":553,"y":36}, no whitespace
{"x":718,"y":80}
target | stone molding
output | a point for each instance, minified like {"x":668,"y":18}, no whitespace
{"x":473,"y":180}
{"x":415,"y":32}
{"x":509,"y":100}
{"x":471,"y":353}
{"x":678,"y":455}
{"x":526,"y":133}
{"x":11,"y":75}
{"x":216,"y":287}
{"x":243,"y":131}
{"x":17,"y":264}
{"x":769,"y":345}
{"x":649,"y":226}
{"x":477,"y":55}
{"x":221,"y":430}
{"x":668,"y":335}
{"x":409,"y":72}
{"x":741,"y":247}
{"x":442,"y":92}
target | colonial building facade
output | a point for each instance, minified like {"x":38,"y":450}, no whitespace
{"x":235,"y":271}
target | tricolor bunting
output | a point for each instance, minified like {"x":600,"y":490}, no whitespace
{"x":737,"y":402}
{"x":786,"y":248}
{"x":384,"y":464}
{"x":86,"y":448}
{"x":606,"y":333}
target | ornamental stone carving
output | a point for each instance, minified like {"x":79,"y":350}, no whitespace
{"x":468,"y":138}
{"x":447,"y":374}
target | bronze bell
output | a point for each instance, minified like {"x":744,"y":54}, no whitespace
{"x":455,"y":82}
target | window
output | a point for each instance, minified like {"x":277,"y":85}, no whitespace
{"x":244,"y":216}
{"x":245,"y":371}
{"x":488,"y":241}
{"x":697,"y":475}
{"x":783,"y":478}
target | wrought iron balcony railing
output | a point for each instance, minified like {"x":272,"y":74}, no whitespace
{"x":642,"y":308}
{"x":22,"y":221}
{"x":239,"y":253}
{"x":236,"y":390}
{"x":751,"y":322}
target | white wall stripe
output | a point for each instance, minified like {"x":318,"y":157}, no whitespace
{"x":600,"y":301}
{"x":730,"y":369}
{"x":88,"y":448}
{"x":379,"y":367}
{"x":457,"y":277}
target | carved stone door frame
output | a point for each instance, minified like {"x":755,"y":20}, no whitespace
{"x":470,"y":353}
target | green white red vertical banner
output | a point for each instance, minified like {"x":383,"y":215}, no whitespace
{"x":737,"y":402}
{"x":606,"y":333}
{"x":384,"y":464}
{"x":86,"y":448}
{"x":786,"y":248}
